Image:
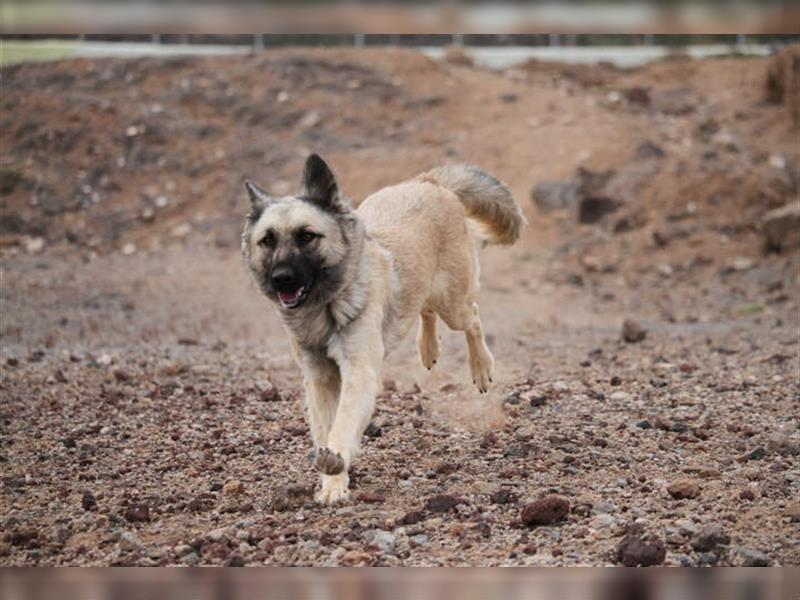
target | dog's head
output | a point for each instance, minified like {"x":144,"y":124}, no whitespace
{"x":296,"y":246}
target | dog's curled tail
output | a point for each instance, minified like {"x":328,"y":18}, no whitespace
{"x":486,"y":200}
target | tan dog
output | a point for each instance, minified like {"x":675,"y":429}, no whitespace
{"x":350,"y":284}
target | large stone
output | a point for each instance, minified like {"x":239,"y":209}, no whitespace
{"x":641,"y":549}
{"x":545,"y":511}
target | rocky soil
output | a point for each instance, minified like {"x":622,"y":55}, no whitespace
{"x":646,"y":406}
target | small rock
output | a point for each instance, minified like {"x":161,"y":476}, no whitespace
{"x":233,"y":487}
{"x":641,"y":549}
{"x":648,"y":149}
{"x":182,"y":230}
{"x":418,"y":540}
{"x":755,"y":454}
{"x":221,"y":535}
{"x":412,"y":518}
{"x":545,"y":511}
{"x":592,"y":209}
{"x":555,"y":195}
{"x":684,"y":489}
{"x":781,"y":227}
{"x":638,"y":95}
{"x":753,"y":558}
{"x":709,"y":538}
{"x":632,"y":332}
{"x":34,"y":245}
{"x":503,"y":496}
{"x":370,"y":498}
{"x":383,"y":540}
{"x":235,"y":560}
{"x":137,"y":513}
{"x":442,"y":503}
{"x":784,"y":442}
{"x":88,"y":501}
{"x":742,"y":263}
{"x":793,"y":511}
{"x":128,"y":542}
{"x":619,"y":396}
{"x":191,"y":559}
{"x":292,"y":497}
{"x":373,"y":431}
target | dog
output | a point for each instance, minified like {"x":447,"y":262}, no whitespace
{"x":349,"y":284}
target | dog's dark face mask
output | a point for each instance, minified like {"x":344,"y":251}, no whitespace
{"x":292,"y":267}
{"x":295,"y":246}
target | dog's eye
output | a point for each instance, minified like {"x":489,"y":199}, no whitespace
{"x":268,"y":241}
{"x":305,"y":237}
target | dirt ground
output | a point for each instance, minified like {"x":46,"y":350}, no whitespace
{"x":151,"y":414}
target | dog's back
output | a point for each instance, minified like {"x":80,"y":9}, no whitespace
{"x":423,"y":223}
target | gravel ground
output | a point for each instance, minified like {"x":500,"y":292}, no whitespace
{"x":151,"y":414}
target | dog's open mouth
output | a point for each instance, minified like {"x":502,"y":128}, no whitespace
{"x":292,"y":299}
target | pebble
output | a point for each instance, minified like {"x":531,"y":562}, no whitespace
{"x":370,"y":498}
{"x":545,"y":511}
{"x":684,"y":489}
{"x":128,"y":542}
{"x":632,"y":332}
{"x":191,"y":559}
{"x":753,"y":558}
{"x":219,"y":535}
{"x":137,"y":513}
{"x":619,"y":396}
{"x":412,"y":518}
{"x":383,"y":540}
{"x":233,"y":487}
{"x":418,"y":540}
{"x":88,"y":501}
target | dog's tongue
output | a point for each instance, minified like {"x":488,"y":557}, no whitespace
{"x":289,"y":298}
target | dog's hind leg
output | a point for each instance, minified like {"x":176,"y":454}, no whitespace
{"x":465,"y":317}
{"x":427,"y":339}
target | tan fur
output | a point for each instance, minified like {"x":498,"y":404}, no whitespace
{"x":417,"y":260}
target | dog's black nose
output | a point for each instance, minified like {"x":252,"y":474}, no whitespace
{"x":284,"y":279}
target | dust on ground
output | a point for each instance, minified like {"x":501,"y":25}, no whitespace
{"x":151,"y":412}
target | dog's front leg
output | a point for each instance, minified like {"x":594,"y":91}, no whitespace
{"x":360,"y":376}
{"x":322,"y":386}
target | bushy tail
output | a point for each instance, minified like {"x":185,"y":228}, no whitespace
{"x":486,"y":200}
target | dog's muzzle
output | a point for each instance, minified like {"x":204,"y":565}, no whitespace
{"x":288,"y":286}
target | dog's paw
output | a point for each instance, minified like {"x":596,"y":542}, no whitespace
{"x":334,"y":490}
{"x":329,"y":462}
{"x":481,"y":367}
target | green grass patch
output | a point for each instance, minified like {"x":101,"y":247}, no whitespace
{"x":15,"y":51}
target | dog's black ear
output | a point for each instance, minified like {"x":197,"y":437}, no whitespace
{"x":259,"y":199}
{"x":319,"y":184}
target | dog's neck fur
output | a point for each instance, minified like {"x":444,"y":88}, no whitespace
{"x":314,"y":326}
